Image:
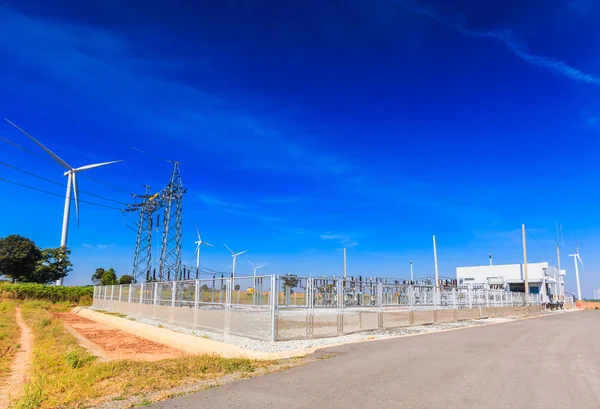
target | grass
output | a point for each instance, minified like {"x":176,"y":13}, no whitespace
{"x":9,"y":337}
{"x":65,"y":375}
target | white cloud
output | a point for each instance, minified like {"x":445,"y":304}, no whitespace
{"x":345,"y":240}
{"x":97,"y":246}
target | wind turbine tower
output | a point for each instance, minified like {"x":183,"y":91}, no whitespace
{"x":234,"y":255}
{"x":199,"y":243}
{"x":255,"y":267}
{"x":71,"y":185}
{"x":575,"y":258}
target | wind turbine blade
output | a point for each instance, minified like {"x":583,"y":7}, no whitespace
{"x":232,"y":253}
{"x":198,"y":231}
{"x":580,"y":262}
{"x":262,"y":265}
{"x":241,"y":252}
{"x":250,"y":263}
{"x":76,"y":194}
{"x":38,"y":143}
{"x":208,"y":244}
{"x":96,"y":165}
{"x":195,"y":252}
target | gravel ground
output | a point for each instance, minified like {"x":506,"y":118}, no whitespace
{"x":267,"y":346}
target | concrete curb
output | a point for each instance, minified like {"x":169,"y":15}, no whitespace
{"x":184,"y":342}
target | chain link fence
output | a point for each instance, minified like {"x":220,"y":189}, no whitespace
{"x":273,"y":307}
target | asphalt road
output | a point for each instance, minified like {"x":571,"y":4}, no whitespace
{"x":548,"y":362}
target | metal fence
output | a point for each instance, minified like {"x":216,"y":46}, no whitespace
{"x":276,"y":307}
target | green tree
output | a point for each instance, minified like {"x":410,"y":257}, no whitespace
{"x":290,"y":281}
{"x":19,"y":257}
{"x":109,"y":278}
{"x":204,"y":287}
{"x":126,"y":279}
{"x":97,"y":276}
{"x":53,"y":266}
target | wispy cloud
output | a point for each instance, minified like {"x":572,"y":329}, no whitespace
{"x":505,"y":36}
{"x":240,"y":209}
{"x":280,"y":200}
{"x":345,"y":240}
{"x":98,"y":65}
{"x":215,"y":201}
{"x":513,"y":236}
{"x":97,"y":246}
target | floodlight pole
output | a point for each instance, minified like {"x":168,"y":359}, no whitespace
{"x":412,"y":277}
{"x":525,"y":276}
{"x":344,"y":266}
{"x":435,"y":260}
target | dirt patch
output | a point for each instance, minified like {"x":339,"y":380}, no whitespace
{"x":110,"y":343}
{"x":20,"y":367}
{"x":589,"y":305}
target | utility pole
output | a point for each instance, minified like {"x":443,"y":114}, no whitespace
{"x":435,"y":260}
{"x":490,"y":259}
{"x":526,"y":278}
{"x":561,"y":290}
{"x":560,"y":279}
{"x":344,"y":266}
{"x":412,"y":276}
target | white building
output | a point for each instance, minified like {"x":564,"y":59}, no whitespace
{"x":543,"y":278}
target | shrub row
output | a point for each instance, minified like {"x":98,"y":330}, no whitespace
{"x":27,"y":291}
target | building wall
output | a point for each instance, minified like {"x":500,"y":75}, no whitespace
{"x":510,"y":273}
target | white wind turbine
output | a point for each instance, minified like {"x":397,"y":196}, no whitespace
{"x":234,"y":255}
{"x":199,"y":243}
{"x":575,"y":258}
{"x":71,"y":184}
{"x":255,"y":267}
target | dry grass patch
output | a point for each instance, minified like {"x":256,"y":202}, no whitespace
{"x":65,"y":375}
{"x":9,"y":338}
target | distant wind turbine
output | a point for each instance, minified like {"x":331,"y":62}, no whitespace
{"x":255,"y":267}
{"x":234,"y":255}
{"x":199,"y":243}
{"x":575,"y":258}
{"x":71,"y":184}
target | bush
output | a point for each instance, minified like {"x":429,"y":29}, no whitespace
{"x":29,"y":291}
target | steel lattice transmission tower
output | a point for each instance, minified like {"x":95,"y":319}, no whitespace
{"x":142,"y":260}
{"x":170,"y":253}
{"x":170,"y":198}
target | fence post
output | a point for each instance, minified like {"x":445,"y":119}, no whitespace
{"x":470,"y":296}
{"x":120,"y":292}
{"x":173,"y":293}
{"x":273,"y":307}
{"x":454,"y":297}
{"x":487,"y":297}
{"x":196,"y":293}
{"x":142,"y":293}
{"x":155,"y":293}
{"x":130,"y":291}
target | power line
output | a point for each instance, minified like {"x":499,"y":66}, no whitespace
{"x":56,"y":194}
{"x":45,"y":158}
{"x":528,"y":232}
{"x":58,"y":183}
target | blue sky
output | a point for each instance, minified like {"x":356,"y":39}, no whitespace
{"x":304,"y":127}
